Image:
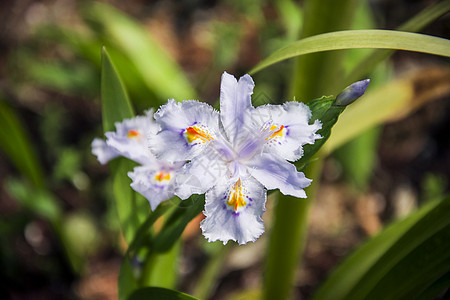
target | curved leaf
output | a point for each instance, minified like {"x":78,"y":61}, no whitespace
{"x":416,"y":248}
{"x":354,"y":39}
{"x":177,"y":222}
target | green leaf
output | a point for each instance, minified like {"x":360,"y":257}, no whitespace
{"x":127,"y":281}
{"x":159,"y":266}
{"x":15,"y":143}
{"x":177,"y":222}
{"x":160,"y":294}
{"x":161,"y":269}
{"x":354,"y":39}
{"x":155,"y":269}
{"x":128,"y":276}
{"x":131,"y":207}
{"x":159,"y":71}
{"x":85,"y":43}
{"x":437,"y":287}
{"x":38,"y":201}
{"x":78,"y":78}
{"x":324,"y":110}
{"x":416,"y":248}
{"x":115,"y":103}
{"x":144,"y":231}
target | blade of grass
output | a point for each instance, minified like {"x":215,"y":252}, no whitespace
{"x":16,"y":144}
{"x":359,"y":39}
{"x":116,"y":105}
{"x":415,"y":248}
{"x":131,"y":207}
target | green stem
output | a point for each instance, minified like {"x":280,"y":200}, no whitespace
{"x":314,"y":76}
{"x":287,"y":240}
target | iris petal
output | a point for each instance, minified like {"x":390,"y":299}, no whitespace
{"x":276,"y":173}
{"x":224,"y":223}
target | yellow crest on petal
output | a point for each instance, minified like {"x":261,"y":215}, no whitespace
{"x":197,"y":134}
{"x":276,"y":132}
{"x":162,"y":176}
{"x":132,"y":133}
{"x":235,"y":197}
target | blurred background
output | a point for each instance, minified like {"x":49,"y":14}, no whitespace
{"x":59,"y":233}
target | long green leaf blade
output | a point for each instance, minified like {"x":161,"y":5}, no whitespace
{"x":128,"y":280}
{"x":177,"y":222}
{"x":416,"y":247}
{"x":115,"y":103}
{"x":131,"y":207}
{"x":358,"y":39}
{"x":15,"y":143}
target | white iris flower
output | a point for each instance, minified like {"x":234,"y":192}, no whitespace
{"x":154,"y":178}
{"x":235,"y":155}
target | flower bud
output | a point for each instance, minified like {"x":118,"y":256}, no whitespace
{"x":352,"y":92}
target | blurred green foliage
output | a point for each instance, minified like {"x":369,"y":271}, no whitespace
{"x":52,"y":176}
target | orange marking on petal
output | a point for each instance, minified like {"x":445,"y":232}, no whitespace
{"x":161,"y":176}
{"x":132,"y":133}
{"x":196,"y":133}
{"x":277,"y":133}
{"x":236,"y":197}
